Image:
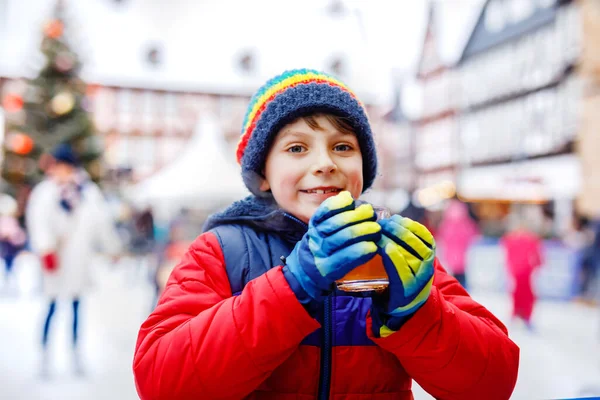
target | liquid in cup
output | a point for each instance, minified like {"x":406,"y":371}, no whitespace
{"x":371,"y":275}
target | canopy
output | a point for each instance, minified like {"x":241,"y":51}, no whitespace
{"x":202,"y":177}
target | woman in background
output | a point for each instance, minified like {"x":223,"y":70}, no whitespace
{"x":456,"y":233}
{"x":523,"y":252}
{"x":67,"y":220}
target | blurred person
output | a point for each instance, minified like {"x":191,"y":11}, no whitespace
{"x":170,"y":253}
{"x":581,"y":239}
{"x":414,"y":211}
{"x":67,"y":219}
{"x":144,"y":227}
{"x":456,"y":232}
{"x":523,"y":255}
{"x":12,"y":238}
{"x":592,"y":294}
{"x":595,"y":254}
{"x":143,"y":242}
{"x":252,"y":311}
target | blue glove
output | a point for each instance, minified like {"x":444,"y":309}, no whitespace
{"x":340,"y":237}
{"x":408,"y":253}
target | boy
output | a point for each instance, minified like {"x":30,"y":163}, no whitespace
{"x":252,"y":312}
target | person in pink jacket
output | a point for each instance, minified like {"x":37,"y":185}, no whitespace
{"x":456,"y":233}
{"x":523,"y":250}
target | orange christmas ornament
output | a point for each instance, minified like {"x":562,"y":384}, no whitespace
{"x":19,"y":143}
{"x":12,"y":103}
{"x":54,"y":29}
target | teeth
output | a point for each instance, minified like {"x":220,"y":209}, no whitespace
{"x":320,"y":191}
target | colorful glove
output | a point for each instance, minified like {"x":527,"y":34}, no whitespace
{"x":340,"y":237}
{"x":49,"y":262}
{"x":408,"y":252}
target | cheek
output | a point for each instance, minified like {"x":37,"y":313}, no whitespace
{"x":354,"y":176}
{"x":357,"y":184}
{"x":284,"y":183}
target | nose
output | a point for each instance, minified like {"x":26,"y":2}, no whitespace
{"x":324,"y":164}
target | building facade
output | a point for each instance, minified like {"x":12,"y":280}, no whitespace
{"x":145,"y":129}
{"x":520,"y":105}
{"x":515,"y":118}
{"x":395,"y":146}
{"x":435,"y":131}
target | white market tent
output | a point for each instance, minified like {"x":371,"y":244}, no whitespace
{"x":202,"y":177}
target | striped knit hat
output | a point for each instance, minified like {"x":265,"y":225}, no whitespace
{"x":289,"y":96}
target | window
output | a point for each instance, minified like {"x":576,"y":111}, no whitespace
{"x":104,"y":109}
{"x":124,"y":101}
{"x":171,"y":104}
{"x":119,"y":155}
{"x":124,"y":110}
{"x":150,"y":111}
{"x":171,"y":113}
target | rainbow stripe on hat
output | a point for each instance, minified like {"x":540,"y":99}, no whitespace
{"x":272,"y":89}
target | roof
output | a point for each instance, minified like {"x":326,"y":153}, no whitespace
{"x":430,"y":35}
{"x":497,"y":23}
{"x":449,"y":25}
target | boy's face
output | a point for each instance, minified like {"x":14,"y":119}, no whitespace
{"x":306,"y":166}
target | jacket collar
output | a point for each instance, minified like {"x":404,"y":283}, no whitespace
{"x":262,"y":214}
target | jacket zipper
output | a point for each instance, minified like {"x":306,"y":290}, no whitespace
{"x":290,"y":216}
{"x":325,"y":379}
{"x":325,"y":372}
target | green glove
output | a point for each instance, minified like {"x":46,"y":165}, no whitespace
{"x":408,"y":253}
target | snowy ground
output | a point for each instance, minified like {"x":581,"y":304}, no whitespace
{"x":560,"y":360}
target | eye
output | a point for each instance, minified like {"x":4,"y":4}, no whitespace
{"x":296,"y":149}
{"x":342,"y":147}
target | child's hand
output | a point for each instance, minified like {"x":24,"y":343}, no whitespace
{"x":340,"y":237}
{"x":408,"y":252}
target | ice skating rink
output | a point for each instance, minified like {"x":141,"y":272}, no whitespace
{"x":560,"y":359}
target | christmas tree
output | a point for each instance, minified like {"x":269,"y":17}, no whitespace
{"x":48,"y":110}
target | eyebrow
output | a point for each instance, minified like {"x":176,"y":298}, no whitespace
{"x":300,"y":134}
{"x":289,"y":133}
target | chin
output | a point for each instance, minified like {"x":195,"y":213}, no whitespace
{"x":305,"y":212}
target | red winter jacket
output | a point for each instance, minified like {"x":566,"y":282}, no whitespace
{"x":205,"y":341}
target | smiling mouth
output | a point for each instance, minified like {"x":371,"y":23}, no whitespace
{"x":322,"y":191}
